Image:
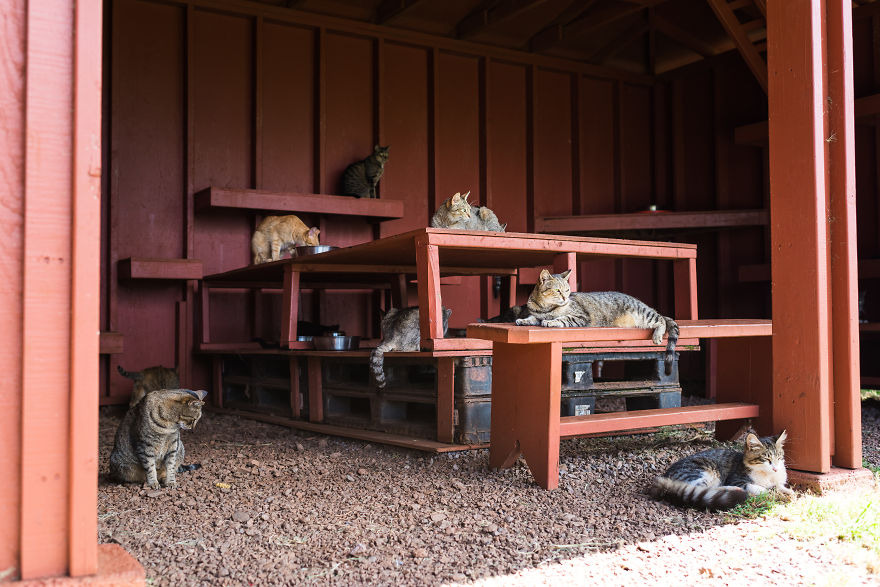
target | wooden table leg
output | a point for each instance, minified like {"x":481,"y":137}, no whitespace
{"x":445,"y":398}
{"x":684,"y":273}
{"x":430,"y":303}
{"x":316,"y":393}
{"x":289,"y":306}
{"x":526,"y":396}
{"x":295,"y":400}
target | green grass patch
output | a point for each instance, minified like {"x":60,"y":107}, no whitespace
{"x":873,"y":468}
{"x":756,"y":506}
{"x":873,"y":394}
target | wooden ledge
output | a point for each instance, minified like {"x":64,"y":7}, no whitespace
{"x":620,"y":421}
{"x":378,"y":209}
{"x":144,"y":268}
{"x":689,"y":329}
{"x":651,"y":221}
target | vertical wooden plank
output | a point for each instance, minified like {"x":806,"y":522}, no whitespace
{"x":257,"y":152}
{"x":289,"y":306}
{"x":685,"y":283}
{"x":13,"y":47}
{"x":295,"y":391}
{"x":378,"y":102}
{"x":428,"y":273}
{"x":445,"y":398}
{"x":217,"y":380}
{"x":506,"y":136}
{"x":844,"y":258}
{"x":205,"y":312}
{"x":434,"y":198}
{"x":47,"y":295}
{"x":576,"y":106}
{"x":553,"y":134}
{"x":398,"y":291}
{"x":316,"y":393}
{"x":531,"y":124}
{"x":799,"y":232}
{"x":320,"y":108}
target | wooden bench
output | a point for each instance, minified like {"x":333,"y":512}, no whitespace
{"x":526,"y":393}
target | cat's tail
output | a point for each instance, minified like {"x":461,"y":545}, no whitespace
{"x":721,"y":497}
{"x":136,"y":375}
{"x":185,"y":468}
{"x":671,"y":341}
{"x":377,"y":366}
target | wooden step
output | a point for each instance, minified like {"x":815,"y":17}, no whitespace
{"x":620,"y":421}
{"x":374,"y":208}
{"x":144,"y":268}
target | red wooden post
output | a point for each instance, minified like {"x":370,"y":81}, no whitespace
{"x":217,"y":381}
{"x":289,"y":306}
{"x":205,"y":312}
{"x":799,"y":232}
{"x":295,"y":399}
{"x":844,"y":284}
{"x":428,"y":273}
{"x":316,"y":393}
{"x":566,"y":261}
{"x":445,"y":398}
{"x":398,"y":291}
{"x":526,"y":408}
{"x":684,"y":274}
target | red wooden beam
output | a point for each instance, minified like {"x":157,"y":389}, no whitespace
{"x":799,"y":232}
{"x":483,"y":18}
{"x":630,"y":420}
{"x":738,"y":33}
{"x":649,"y":221}
{"x":141,"y":268}
{"x":384,"y":209}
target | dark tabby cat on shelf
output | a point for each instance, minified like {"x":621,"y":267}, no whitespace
{"x":148,"y":448}
{"x":553,"y":304}
{"x":360,"y":178}
{"x":721,"y":478}
{"x":150,"y":379}
{"x":400,"y":332}
{"x":457,"y":213}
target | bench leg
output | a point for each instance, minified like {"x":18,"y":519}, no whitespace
{"x":526,"y":395}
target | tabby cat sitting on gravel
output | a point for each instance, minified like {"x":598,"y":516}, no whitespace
{"x":721,"y":478}
{"x":148,"y":448}
{"x":553,"y":304}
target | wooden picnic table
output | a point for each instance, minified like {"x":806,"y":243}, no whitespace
{"x":431,"y":253}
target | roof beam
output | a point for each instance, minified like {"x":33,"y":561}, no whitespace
{"x":389,"y":9}
{"x":682,"y":37}
{"x":630,"y":35}
{"x":740,"y":38}
{"x":479,"y":20}
{"x":586,"y":23}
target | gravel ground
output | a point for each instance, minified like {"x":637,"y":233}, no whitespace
{"x":271,"y":506}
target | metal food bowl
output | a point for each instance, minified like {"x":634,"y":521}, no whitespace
{"x":304,"y":338}
{"x":336,"y":343}
{"x":312,"y":250}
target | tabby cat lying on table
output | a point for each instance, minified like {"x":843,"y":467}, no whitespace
{"x":400,"y":332}
{"x":277,"y":233}
{"x":150,"y":379}
{"x":456,"y":213}
{"x":148,"y":448}
{"x":553,"y":304}
{"x":721,"y":478}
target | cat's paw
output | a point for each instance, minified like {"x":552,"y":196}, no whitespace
{"x":786,"y":493}
{"x":153,"y":485}
{"x":552,"y":323}
{"x":530,"y":321}
{"x":171,"y":484}
{"x":657,"y":339}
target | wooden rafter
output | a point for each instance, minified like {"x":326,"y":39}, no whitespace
{"x":389,"y":9}
{"x":630,"y":34}
{"x":741,"y":39}
{"x":485,"y":17}
{"x":682,"y":37}
{"x":586,"y":23}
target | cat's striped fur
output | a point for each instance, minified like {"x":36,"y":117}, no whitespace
{"x":553,"y":304}
{"x":455,"y":212}
{"x":148,"y":448}
{"x":150,"y":379}
{"x":361,"y":177}
{"x":400,"y":332}
{"x":719,"y":479}
{"x":279,"y":233}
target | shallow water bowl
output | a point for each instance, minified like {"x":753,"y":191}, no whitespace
{"x":312,"y":250}
{"x":336,"y":343}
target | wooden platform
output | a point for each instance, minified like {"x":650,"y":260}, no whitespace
{"x":651,"y":221}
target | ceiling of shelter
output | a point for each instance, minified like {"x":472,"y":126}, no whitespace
{"x":641,"y":36}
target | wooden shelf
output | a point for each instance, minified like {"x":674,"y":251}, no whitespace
{"x":142,"y":268}
{"x":377,"y":209}
{"x":111,"y":343}
{"x":651,"y":221}
{"x":868,"y":269}
{"x":869,"y":326}
{"x":757,"y":133}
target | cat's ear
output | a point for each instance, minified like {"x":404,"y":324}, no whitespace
{"x":753,"y":442}
{"x":376,"y":148}
{"x":503,"y":227}
{"x":314,"y":231}
{"x":780,"y":440}
{"x":545,"y":275}
{"x":455,"y":199}
{"x":464,"y":197}
{"x":565,"y":274}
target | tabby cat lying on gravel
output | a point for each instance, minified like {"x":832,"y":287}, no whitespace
{"x":553,"y":304}
{"x":148,"y":448}
{"x":150,"y":379}
{"x":720,"y":478}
